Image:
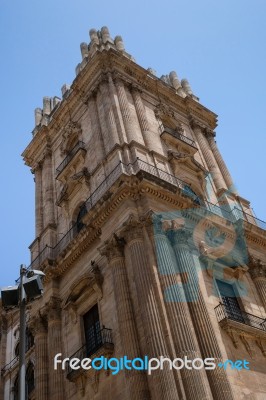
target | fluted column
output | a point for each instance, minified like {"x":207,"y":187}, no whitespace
{"x":220,"y":161}
{"x":116,"y":110}
{"x":109,"y":115}
{"x":194,"y":381}
{"x":162,"y":384}
{"x":102,"y":120}
{"x":144,"y":124}
{"x":257,"y":272}
{"x":125,"y":110}
{"x":48,"y":193}
{"x":96,"y":129}
{"x":41,"y":356}
{"x":218,"y":380}
{"x":56,"y":378}
{"x":208,"y":156}
{"x":38,"y":200}
{"x":114,"y":251}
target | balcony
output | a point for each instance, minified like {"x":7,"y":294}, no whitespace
{"x":241,"y":320}
{"x":150,"y":172}
{"x":170,"y":133}
{"x":79,"y":148}
{"x":9,"y":366}
{"x":104,"y":346}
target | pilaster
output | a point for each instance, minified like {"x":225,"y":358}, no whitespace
{"x":162,"y":383}
{"x":218,"y":380}
{"x":125,"y":110}
{"x":185,"y":343}
{"x":257,"y":271}
{"x":48,"y":192}
{"x":219,"y":159}
{"x":208,"y":155}
{"x":114,"y":251}
{"x":39,"y":328}
{"x":56,"y":378}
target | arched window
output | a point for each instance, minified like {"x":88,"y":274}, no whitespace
{"x":79,"y":223}
{"x":29,"y":342}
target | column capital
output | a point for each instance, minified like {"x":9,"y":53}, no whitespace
{"x":132,"y":228}
{"x":38,"y":325}
{"x":210,"y":134}
{"x":113,"y":248}
{"x":196,"y":124}
{"x":52,"y":309}
{"x":179,"y":237}
{"x":256,"y":268}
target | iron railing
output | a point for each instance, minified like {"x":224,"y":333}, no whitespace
{"x":178,"y":135}
{"x":78,"y":146}
{"x":225,"y":313}
{"x":10,"y":365}
{"x":152,"y":171}
{"x":104,"y":338}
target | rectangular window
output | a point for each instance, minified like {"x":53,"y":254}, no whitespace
{"x":92,"y":330}
{"x":230,"y":302}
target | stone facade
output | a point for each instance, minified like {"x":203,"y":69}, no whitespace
{"x":129,"y":184}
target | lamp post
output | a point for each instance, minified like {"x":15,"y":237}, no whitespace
{"x":30,"y":287}
{"x":22,"y":334}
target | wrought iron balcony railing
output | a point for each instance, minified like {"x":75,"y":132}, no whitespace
{"x":151,"y":172}
{"x":178,"y":135}
{"x":71,"y":154}
{"x":10,"y":365}
{"x":223,"y":313}
{"x":103,"y":340}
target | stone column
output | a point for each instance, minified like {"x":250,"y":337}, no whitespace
{"x":219,"y":159}
{"x":38,"y":200}
{"x":125,"y":110}
{"x":218,"y":380}
{"x":141,"y":113}
{"x":162,"y":382}
{"x":96,"y":129}
{"x":114,"y":251}
{"x":102,"y":120}
{"x":116,"y":110}
{"x":56,"y":377}
{"x":41,"y":356}
{"x":185,"y":343}
{"x":109,"y":115}
{"x":257,"y":272}
{"x":48,"y":192}
{"x":208,"y":156}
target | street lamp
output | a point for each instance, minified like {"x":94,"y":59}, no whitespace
{"x":29,"y":288}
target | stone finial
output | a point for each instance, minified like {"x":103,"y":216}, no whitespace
{"x":186,"y":86}
{"x":106,"y":35}
{"x":46,"y":105}
{"x":84,"y":50}
{"x":174,"y":80}
{"x":38,"y":116}
{"x":151,"y":71}
{"x":165,"y":78}
{"x":55,"y":101}
{"x":94,"y":36}
{"x":64,"y":89}
{"x":119,"y":43}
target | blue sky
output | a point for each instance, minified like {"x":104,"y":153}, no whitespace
{"x":218,"y":46}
